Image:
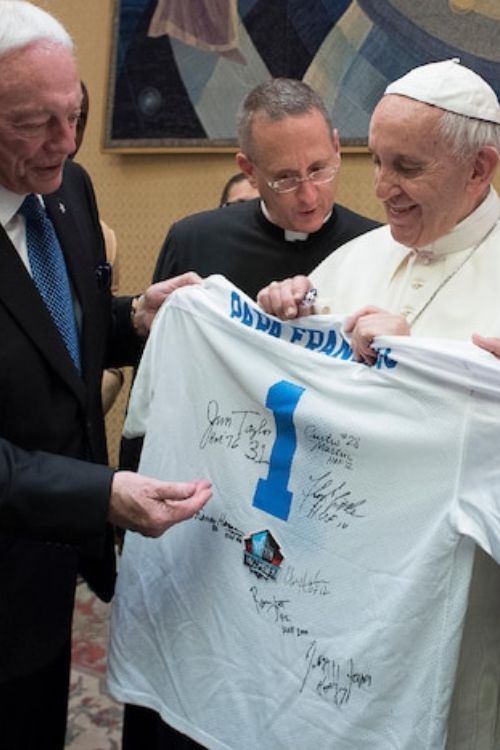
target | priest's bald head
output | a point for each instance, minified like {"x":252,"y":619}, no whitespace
{"x":435,"y":140}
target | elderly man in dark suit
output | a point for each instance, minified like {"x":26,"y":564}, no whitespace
{"x":57,"y":495}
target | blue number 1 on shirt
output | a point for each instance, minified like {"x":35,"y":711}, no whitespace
{"x":272,"y":494}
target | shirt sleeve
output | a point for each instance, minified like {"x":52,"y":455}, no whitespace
{"x":142,"y":392}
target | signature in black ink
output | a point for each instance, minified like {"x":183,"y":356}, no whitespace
{"x":274,"y":606}
{"x":329,"y":502}
{"x":331,"y":680}
{"x":202,"y":516}
{"x":338,"y":449}
{"x":245,"y":430}
{"x":304,"y":582}
{"x":230,"y":531}
{"x":277,"y":609}
{"x":221,"y":522}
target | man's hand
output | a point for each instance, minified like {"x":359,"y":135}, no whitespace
{"x":149,"y":303}
{"x":150,"y":506}
{"x":369,"y":322}
{"x":489,"y":343}
{"x":284,"y":298}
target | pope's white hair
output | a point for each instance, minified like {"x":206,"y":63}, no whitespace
{"x":22,"y":23}
{"x":467,"y":135}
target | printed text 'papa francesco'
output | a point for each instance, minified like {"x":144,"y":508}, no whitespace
{"x":329,"y":342}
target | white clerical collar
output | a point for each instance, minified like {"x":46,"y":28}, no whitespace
{"x":289,"y":234}
{"x":468,"y":232}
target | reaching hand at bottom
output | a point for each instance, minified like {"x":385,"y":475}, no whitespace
{"x":150,"y":506}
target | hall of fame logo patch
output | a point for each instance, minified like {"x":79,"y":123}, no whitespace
{"x":262,"y":554}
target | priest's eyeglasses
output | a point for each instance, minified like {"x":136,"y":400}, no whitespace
{"x":290,"y":184}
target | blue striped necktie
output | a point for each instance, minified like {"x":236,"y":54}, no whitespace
{"x":49,"y":272}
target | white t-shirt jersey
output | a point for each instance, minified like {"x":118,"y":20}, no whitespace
{"x":317,"y":601}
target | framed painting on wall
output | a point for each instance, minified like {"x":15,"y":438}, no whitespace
{"x":180,"y":68}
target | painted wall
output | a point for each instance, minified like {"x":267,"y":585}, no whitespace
{"x":141,"y":195}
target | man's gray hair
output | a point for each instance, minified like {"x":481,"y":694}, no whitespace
{"x":22,"y":23}
{"x":277,"y":99}
{"x":466,"y":135}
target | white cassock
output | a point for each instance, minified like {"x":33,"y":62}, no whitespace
{"x":447,"y":289}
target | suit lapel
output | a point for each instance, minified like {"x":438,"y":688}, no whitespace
{"x":20,"y":296}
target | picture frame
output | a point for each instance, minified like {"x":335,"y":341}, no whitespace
{"x":180,"y":68}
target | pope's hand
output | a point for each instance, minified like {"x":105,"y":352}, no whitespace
{"x":284,"y":298}
{"x":491,"y":344}
{"x":369,"y":322}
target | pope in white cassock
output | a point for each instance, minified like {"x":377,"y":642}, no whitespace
{"x":433,"y":271}
{"x":321,"y":598}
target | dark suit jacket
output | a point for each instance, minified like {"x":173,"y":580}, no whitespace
{"x":53,"y":506}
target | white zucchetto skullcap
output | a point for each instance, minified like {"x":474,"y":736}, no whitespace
{"x":450,"y":86}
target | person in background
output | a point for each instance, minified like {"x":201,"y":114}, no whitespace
{"x":60,"y":327}
{"x":112,"y":377}
{"x":433,"y":271}
{"x":237,"y":189}
{"x":291,"y":155}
